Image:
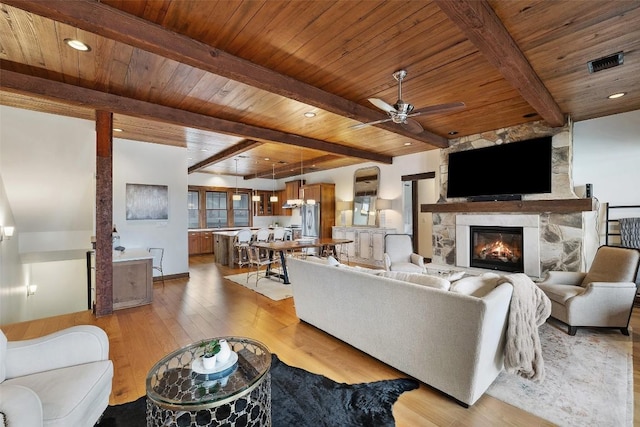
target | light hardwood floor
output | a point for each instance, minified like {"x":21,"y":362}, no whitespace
{"x":206,"y":305}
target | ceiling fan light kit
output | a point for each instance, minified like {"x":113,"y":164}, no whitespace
{"x":401,"y":112}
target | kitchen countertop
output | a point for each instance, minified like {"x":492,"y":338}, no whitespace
{"x":131,"y":254}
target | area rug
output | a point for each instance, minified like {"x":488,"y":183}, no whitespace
{"x":270,"y":288}
{"x":588,"y":379}
{"x":303,"y":399}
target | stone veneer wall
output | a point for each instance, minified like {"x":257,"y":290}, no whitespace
{"x":561,"y":235}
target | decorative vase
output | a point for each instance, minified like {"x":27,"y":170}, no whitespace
{"x":225,"y":351}
{"x":209,"y":363}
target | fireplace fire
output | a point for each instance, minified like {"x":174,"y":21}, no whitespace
{"x":497,"y":248}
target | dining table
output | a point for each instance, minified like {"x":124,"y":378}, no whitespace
{"x":326,"y":245}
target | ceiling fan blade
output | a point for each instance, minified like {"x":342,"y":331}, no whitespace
{"x":440,"y":108}
{"x":412,"y":126}
{"x":381,"y":104}
{"x":361,"y":125}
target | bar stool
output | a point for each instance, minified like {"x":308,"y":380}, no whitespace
{"x":278,"y":234}
{"x":241,"y":245}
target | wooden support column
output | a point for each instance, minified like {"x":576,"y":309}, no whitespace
{"x":104,"y":213}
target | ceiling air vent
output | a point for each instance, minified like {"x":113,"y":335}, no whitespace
{"x":606,"y":62}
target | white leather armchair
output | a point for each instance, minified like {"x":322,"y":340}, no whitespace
{"x":399,"y":255}
{"x":603,"y":297}
{"x":61,"y":379}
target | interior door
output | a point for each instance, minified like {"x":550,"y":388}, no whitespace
{"x":416,"y":190}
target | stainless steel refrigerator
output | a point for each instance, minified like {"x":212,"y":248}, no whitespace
{"x":310,"y":220}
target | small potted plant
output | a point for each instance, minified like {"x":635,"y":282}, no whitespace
{"x":210,"y":350}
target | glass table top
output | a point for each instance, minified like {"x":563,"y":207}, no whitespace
{"x":173,"y":382}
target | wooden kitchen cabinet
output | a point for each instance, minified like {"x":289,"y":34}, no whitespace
{"x":325,"y":195}
{"x":278,"y":210}
{"x":200,"y":242}
{"x":194,"y":243}
{"x":292,"y":189}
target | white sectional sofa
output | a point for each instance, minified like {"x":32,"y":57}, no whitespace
{"x":452,"y":340}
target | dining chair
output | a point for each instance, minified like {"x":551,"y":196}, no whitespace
{"x":158,"y":254}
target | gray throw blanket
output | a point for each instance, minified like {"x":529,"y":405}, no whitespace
{"x":529,"y":309}
{"x":630,"y":232}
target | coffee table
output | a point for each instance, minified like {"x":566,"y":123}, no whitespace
{"x":181,"y":393}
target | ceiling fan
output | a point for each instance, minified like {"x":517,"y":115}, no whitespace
{"x":401,"y":112}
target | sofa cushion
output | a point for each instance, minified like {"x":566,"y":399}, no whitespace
{"x":418,"y":279}
{"x":70,"y":396}
{"x":326,"y":261}
{"x":451,"y":276}
{"x":477,"y":286}
{"x":406,"y":267}
{"x":561,"y":293}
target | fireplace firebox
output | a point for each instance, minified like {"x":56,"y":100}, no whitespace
{"x":497,"y":248}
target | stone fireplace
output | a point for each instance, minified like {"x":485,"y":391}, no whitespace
{"x":498,"y":248}
{"x":556,"y":235}
{"x":502,"y":242}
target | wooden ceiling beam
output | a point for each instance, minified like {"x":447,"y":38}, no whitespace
{"x":50,"y":89}
{"x":114,"y":24}
{"x":285,"y":171}
{"x":227,"y":153}
{"x":483,"y":28}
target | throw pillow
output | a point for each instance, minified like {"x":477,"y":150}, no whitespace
{"x":418,"y":279}
{"x":326,"y":261}
{"x":451,"y":276}
{"x":477,"y":286}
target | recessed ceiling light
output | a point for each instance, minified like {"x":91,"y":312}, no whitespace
{"x":309,"y":114}
{"x":117,"y":130}
{"x":453,"y":132}
{"x":267,"y":159}
{"x":617,"y":95}
{"x":204,"y":150}
{"x":77,"y":45}
{"x":407,"y":144}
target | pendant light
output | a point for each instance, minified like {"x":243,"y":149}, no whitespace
{"x":236,"y":196}
{"x":273,"y":197}
{"x":308,"y":201}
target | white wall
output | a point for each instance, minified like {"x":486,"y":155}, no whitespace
{"x":606,"y":153}
{"x":47,"y":190}
{"x":153,"y":164}
{"x":12,"y":287}
{"x":48,"y":164}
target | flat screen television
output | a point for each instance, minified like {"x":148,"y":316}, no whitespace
{"x":501,"y":172}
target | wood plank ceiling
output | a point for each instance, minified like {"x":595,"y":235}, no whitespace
{"x":233,"y":79}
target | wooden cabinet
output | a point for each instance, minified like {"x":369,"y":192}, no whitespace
{"x":206,"y":242}
{"x":200,"y":242}
{"x":265,"y":207}
{"x":324,"y":195}
{"x":278,"y":210}
{"x":368,"y":243}
{"x":292,"y":189}
{"x":194,"y":243}
{"x":132,"y":283}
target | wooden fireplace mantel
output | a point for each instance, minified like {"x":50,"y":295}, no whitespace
{"x":513,"y":206}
